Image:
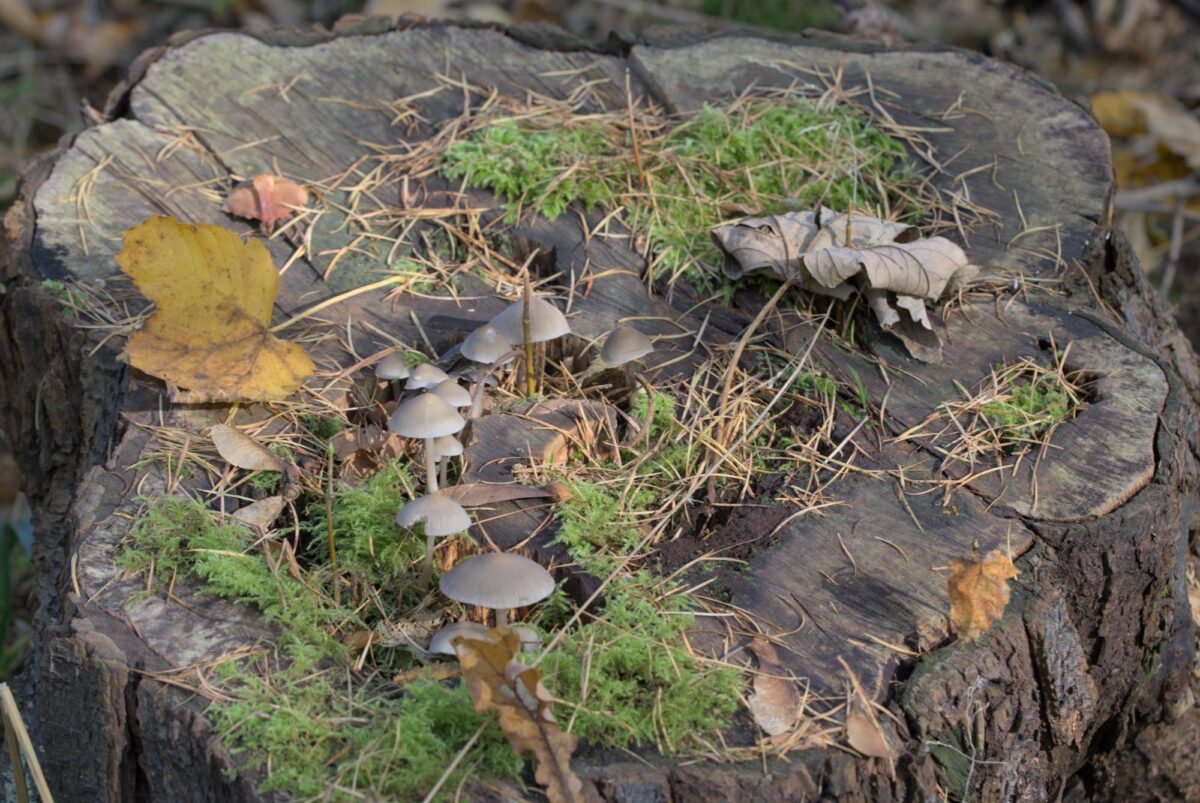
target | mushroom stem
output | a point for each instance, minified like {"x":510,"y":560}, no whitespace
{"x":431,"y":483}
{"x":427,"y":568}
{"x":530,"y":379}
{"x":442,"y":472}
{"x":502,"y":617}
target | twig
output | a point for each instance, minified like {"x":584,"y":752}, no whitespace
{"x":12,"y":715}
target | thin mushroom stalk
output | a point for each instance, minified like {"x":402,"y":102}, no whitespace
{"x":481,"y":383}
{"x":526,"y":327}
{"x":427,"y":566}
{"x":502,"y":617}
{"x":431,"y":480}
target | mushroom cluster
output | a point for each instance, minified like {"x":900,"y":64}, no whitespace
{"x":499,"y":581}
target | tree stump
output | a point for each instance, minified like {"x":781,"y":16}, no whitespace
{"x":1097,"y":637}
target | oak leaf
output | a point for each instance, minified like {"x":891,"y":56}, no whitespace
{"x":267,"y":198}
{"x":835,"y":254}
{"x":210,"y":332}
{"x":499,"y":683}
{"x":979,"y":592}
{"x":242,"y":451}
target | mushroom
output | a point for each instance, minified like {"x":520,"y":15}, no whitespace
{"x":497,"y":580}
{"x":487,"y":346}
{"x":442,"y":642}
{"x":444,"y":448}
{"x":452,"y":393}
{"x":529,"y":638}
{"x":392,"y":367}
{"x":625,"y":346}
{"x":531,"y":320}
{"x":426,"y":416}
{"x":425,"y":375}
{"x":439,"y":516}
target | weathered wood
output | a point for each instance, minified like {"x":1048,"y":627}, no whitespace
{"x":1093,"y":636}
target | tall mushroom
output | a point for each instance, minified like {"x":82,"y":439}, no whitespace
{"x":452,"y":393}
{"x":544,"y":322}
{"x":439,"y":516}
{"x":625,"y":346}
{"x":487,"y":346}
{"x":442,"y":642}
{"x":391,"y":368}
{"x":428,"y":417}
{"x":497,"y":580}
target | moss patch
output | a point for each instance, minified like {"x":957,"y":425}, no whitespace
{"x":752,"y":157}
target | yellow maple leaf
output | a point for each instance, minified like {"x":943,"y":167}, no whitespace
{"x":210,"y":334}
{"x":500,"y":683}
{"x":979,"y":592}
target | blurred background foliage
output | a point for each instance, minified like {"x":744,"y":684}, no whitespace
{"x":1137,"y":61}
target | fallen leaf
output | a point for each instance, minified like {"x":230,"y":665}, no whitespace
{"x":474,"y":494}
{"x":1118,"y":113}
{"x":776,"y":703}
{"x":979,"y":592}
{"x":261,"y":514}
{"x":267,"y":198}
{"x":210,"y":332}
{"x":515,"y":691}
{"x":864,"y":735}
{"x":240,"y":450}
{"x":834,"y":254}
{"x":1173,"y":126}
{"x":436,"y":672}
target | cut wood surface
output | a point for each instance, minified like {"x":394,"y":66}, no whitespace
{"x":1092,"y":637}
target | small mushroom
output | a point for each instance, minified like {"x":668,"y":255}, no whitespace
{"x":452,"y":393}
{"x":439,"y":516}
{"x":444,"y":448}
{"x":428,"y":417}
{"x":442,"y":642}
{"x":425,"y":375}
{"x":624,"y":345}
{"x":529,"y":638}
{"x":487,"y":346}
{"x":392,"y":367}
{"x":497,"y":580}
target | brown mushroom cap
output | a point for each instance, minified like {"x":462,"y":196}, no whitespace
{"x":545,"y":321}
{"x":425,"y":416}
{"x":393,"y":366}
{"x":625,"y":344}
{"x":425,"y":375}
{"x":497,"y":580}
{"x":442,"y":641}
{"x":441,"y":515}
{"x":452,"y":393}
{"x":485,"y":345}
{"x":447,"y":446}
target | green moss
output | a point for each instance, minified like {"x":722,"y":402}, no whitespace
{"x":62,"y":291}
{"x":1031,"y":409}
{"x":313,"y":724}
{"x":763,"y":156}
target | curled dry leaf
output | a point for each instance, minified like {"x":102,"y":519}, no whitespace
{"x":776,"y":703}
{"x":979,"y":592}
{"x":499,"y":683}
{"x":240,"y":450}
{"x":267,"y":198}
{"x":210,"y":332}
{"x":833,"y":254}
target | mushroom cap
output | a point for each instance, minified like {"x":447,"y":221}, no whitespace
{"x":425,"y":416}
{"x":485,"y":345}
{"x":442,"y":641}
{"x":625,"y":344}
{"x":425,"y":375}
{"x":545,"y":321}
{"x":530,"y":640}
{"x":447,"y":446}
{"x":440,"y":514}
{"x":497,"y":580}
{"x":452,"y":393}
{"x":393,"y":366}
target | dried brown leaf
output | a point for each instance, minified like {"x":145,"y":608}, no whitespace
{"x":864,"y":735}
{"x":499,"y":683}
{"x":267,"y":198}
{"x":240,"y":450}
{"x":776,"y":704}
{"x":979,"y":592}
{"x":473,"y":494}
{"x":261,"y":514}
